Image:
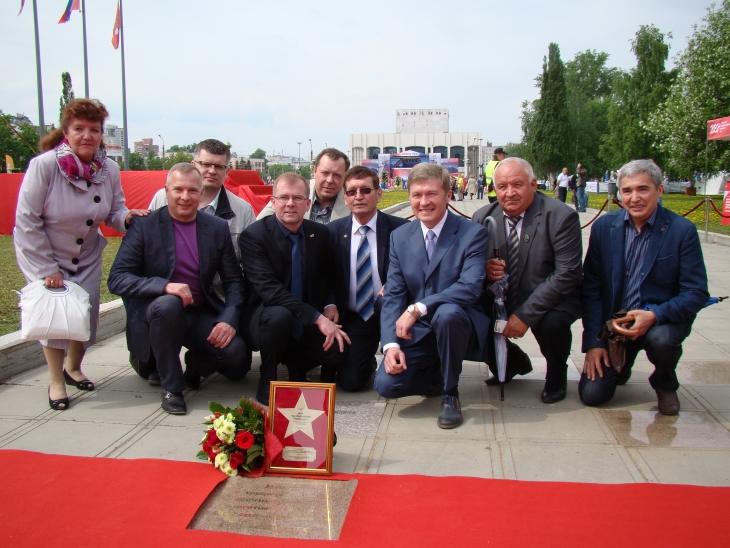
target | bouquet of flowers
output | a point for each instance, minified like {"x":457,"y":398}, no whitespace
{"x":236,"y":439}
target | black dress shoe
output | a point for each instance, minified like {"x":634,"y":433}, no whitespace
{"x":154,"y":378}
{"x":667,"y":401}
{"x":554,"y":396}
{"x":191,"y":376}
{"x":174,"y":403}
{"x":450,"y":415}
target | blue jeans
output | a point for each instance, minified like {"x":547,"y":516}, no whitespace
{"x":582,"y":199}
{"x":663,"y":345}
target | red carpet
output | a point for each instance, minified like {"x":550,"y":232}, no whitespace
{"x":143,"y":503}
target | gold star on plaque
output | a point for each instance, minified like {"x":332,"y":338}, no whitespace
{"x":300,"y":418}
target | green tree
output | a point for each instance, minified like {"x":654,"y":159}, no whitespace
{"x":306,"y":172}
{"x":277,"y":169}
{"x":549,"y":132}
{"x":20,"y":146}
{"x":67,"y":92}
{"x":153,"y":162}
{"x":246,"y":165}
{"x":637,"y":95}
{"x":136,"y":162}
{"x":259,"y":154}
{"x":700,"y":92}
{"x":589,"y":85}
{"x":180,"y":156}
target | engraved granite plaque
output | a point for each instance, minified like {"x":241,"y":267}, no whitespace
{"x":277,"y":507}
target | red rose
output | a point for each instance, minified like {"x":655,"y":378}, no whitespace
{"x":212,"y":437}
{"x":236,"y":459}
{"x":244,"y":440}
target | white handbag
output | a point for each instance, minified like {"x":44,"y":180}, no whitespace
{"x":61,"y":313}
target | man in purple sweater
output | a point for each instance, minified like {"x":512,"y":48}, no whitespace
{"x":164,"y":272}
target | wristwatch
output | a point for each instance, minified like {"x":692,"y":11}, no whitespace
{"x":413,"y":311}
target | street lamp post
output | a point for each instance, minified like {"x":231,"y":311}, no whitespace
{"x":163,"y":151}
{"x":299,"y":157}
{"x":311,"y":156}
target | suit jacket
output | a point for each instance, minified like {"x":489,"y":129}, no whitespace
{"x":453,"y":276}
{"x":266,"y":256}
{"x":339,"y":211}
{"x":550,"y":258}
{"x":673,"y":279}
{"x":340,"y":242}
{"x":146,"y":260}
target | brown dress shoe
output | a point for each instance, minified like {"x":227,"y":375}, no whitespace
{"x":668,"y":402}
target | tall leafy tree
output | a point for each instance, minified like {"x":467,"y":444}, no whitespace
{"x":636,"y":95}
{"x":67,"y":92}
{"x":589,"y":85}
{"x":549,"y":135}
{"x":20,"y":146}
{"x":701,"y":92}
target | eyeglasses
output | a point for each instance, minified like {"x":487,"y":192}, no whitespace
{"x":364,"y":191}
{"x":283,"y":200}
{"x":208,"y":165}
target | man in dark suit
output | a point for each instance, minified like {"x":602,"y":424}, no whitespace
{"x":164,"y":272}
{"x":540,"y":238}
{"x":290,"y":312}
{"x":360,"y":246}
{"x":431,"y":319}
{"x":646,"y":260}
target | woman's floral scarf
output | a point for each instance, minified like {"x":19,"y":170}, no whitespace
{"x":74,"y":169}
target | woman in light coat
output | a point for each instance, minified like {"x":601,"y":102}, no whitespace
{"x":66,"y":194}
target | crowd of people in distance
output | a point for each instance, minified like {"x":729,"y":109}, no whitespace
{"x":322,"y":278}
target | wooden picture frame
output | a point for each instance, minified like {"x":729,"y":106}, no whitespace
{"x":302,"y":416}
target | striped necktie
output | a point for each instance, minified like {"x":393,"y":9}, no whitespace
{"x":364,"y":295}
{"x":513,"y":249}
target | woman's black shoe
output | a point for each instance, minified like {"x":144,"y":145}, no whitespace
{"x":86,"y":384}
{"x":57,"y":405}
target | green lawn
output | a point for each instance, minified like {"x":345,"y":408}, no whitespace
{"x":12,"y":280}
{"x":392,"y":197}
{"x":679,"y":203}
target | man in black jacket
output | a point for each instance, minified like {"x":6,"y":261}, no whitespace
{"x":290,"y":313}
{"x":164,"y":272}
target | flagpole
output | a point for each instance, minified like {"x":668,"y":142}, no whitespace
{"x":42,"y":127}
{"x":124,"y":90}
{"x":86,"y":59}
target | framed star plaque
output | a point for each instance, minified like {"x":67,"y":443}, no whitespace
{"x":302,"y":416}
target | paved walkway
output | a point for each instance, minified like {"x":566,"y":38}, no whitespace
{"x":624,"y":441}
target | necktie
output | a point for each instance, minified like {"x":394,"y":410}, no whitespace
{"x":296,"y":280}
{"x":365,"y":302}
{"x":430,"y":243}
{"x":513,"y":248}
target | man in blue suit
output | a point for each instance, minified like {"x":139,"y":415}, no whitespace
{"x":360,"y":267}
{"x":646,"y":260}
{"x":431,"y":320}
{"x":164,"y":272}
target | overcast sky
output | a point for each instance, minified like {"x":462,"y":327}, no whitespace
{"x":269,"y":74}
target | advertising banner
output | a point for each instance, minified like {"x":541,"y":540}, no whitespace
{"x":726,"y":206}
{"x":719,"y":129}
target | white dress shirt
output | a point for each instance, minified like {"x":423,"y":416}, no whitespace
{"x":354,"y":245}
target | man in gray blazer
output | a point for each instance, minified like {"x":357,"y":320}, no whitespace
{"x":326,"y":195}
{"x":431,"y":319}
{"x":542,"y":237}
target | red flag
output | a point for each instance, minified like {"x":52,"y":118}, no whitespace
{"x":117,"y":29}
{"x":22,"y":5}
{"x":719,"y":129}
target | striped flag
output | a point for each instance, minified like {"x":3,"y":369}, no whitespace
{"x":117,"y":29}
{"x":73,"y":5}
{"x":22,"y":5}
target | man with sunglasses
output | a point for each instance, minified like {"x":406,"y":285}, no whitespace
{"x":327,"y":202}
{"x":360,"y":245}
{"x":211,"y":158}
{"x":289,"y":311}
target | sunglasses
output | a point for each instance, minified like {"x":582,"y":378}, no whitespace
{"x":364,"y":191}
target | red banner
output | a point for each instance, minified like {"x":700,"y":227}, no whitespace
{"x":718,"y":130}
{"x":139,"y":187}
{"x":726,"y":206}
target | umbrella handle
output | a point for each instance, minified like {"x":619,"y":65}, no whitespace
{"x":618,"y":326}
